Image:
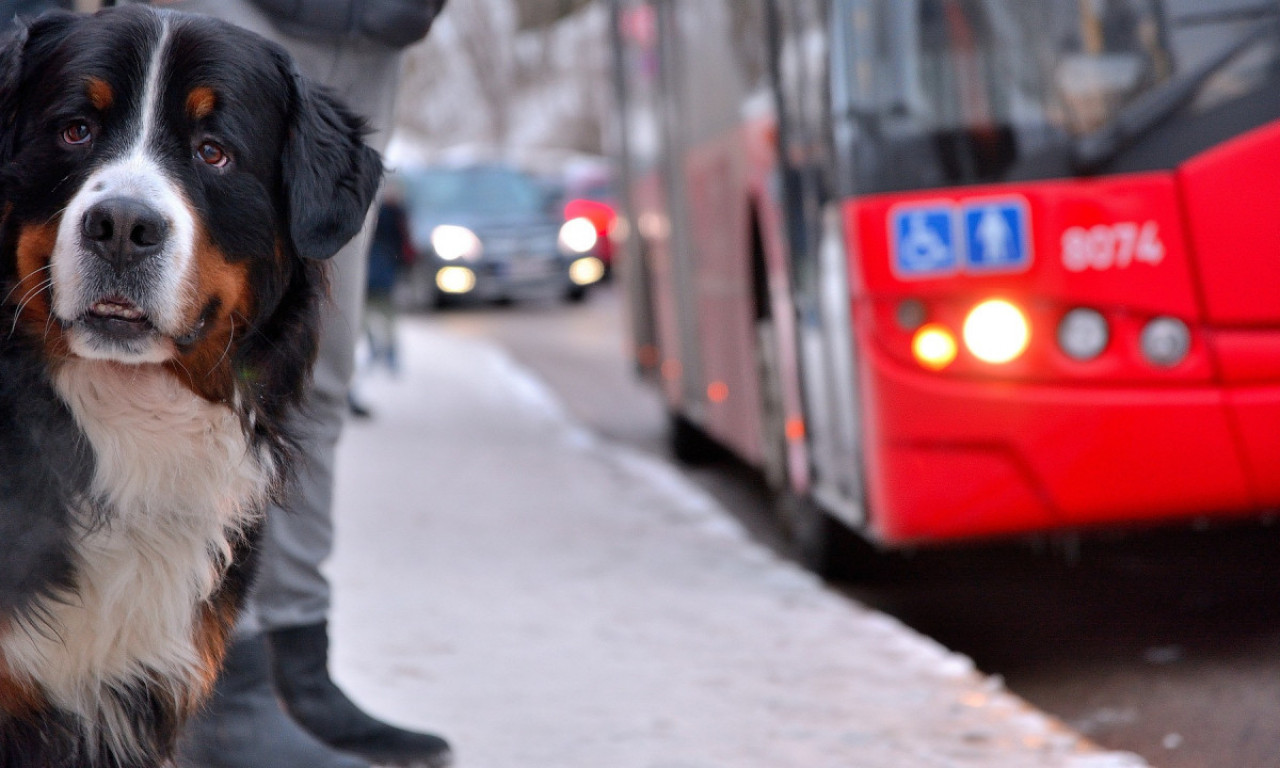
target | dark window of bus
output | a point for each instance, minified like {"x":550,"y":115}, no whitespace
{"x":956,"y":92}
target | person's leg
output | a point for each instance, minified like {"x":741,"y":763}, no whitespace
{"x":244,"y":726}
{"x":291,"y":598}
{"x":290,"y":590}
{"x":280,"y":653}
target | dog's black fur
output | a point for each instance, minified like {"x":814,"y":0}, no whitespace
{"x":296,"y":189}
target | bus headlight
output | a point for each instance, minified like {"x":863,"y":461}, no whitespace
{"x":1083,"y":334}
{"x":1165,"y":342}
{"x":934,"y":347}
{"x":996,"y":332}
{"x":578,"y":235}
{"x":451,"y":242}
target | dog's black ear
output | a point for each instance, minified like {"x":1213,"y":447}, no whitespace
{"x":11,"y":46}
{"x":330,"y":175}
{"x":22,"y":47}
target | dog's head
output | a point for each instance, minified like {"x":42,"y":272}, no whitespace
{"x":170,"y":185}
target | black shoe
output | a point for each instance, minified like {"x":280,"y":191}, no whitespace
{"x":300,"y":657}
{"x":244,"y":726}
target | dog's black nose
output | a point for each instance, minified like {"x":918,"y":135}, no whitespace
{"x":124,"y":231}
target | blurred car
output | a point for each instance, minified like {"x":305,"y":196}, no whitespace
{"x":491,"y":232}
{"x":591,"y":195}
{"x":603,"y":218}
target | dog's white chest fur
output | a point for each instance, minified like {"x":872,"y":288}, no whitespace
{"x":177,"y":478}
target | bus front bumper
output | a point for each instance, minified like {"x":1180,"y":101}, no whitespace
{"x":951,"y":459}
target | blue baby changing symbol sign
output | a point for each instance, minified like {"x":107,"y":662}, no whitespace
{"x":997,"y":235}
{"x":924,"y":240}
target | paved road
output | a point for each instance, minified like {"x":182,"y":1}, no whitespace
{"x":1166,"y":645}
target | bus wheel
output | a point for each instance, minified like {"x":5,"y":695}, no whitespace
{"x":825,"y":545}
{"x":689,"y":444}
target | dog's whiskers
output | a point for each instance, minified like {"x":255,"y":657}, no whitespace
{"x":226,"y":351}
{"x":26,"y":300}
{"x":23,"y":280}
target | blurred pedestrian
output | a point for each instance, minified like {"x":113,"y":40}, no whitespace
{"x":390,"y":257}
{"x":280,"y":653}
{"x":389,"y":260}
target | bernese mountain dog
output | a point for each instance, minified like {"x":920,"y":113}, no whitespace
{"x":170,"y":187}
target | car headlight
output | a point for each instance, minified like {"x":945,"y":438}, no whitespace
{"x":451,"y":242}
{"x":586,"y":270}
{"x":455,"y":280}
{"x":578,"y":235}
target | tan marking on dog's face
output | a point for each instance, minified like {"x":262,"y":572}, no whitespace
{"x":101,"y":94}
{"x":201,"y":102}
{"x":31,"y":294}
{"x":206,"y":366}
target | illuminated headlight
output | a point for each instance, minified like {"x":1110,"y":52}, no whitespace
{"x":451,"y":242}
{"x":586,"y":271}
{"x":934,"y":347}
{"x":1083,"y":334}
{"x":1166,"y":342}
{"x":996,"y":332}
{"x":455,"y":280}
{"x":578,"y":235}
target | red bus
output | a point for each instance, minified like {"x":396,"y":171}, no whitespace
{"x":951,"y":269}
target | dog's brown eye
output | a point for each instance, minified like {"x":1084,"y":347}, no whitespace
{"x":77,"y":133}
{"x":212,"y":154}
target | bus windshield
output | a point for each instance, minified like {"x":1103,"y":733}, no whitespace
{"x":953,"y":92}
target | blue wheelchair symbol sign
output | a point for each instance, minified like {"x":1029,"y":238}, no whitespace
{"x":997,"y":235}
{"x":924,"y":240}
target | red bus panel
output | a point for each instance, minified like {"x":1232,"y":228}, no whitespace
{"x":1048,"y":441}
{"x":1231,"y":196}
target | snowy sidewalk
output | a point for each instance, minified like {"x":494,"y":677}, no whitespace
{"x":545,"y":599}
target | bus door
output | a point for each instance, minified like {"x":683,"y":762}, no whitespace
{"x":720,"y":72}
{"x":819,"y":273}
{"x":682,"y":366}
{"x":632,"y":56}
{"x":666,"y":345}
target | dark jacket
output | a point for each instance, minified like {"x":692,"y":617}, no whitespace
{"x":389,"y":252}
{"x":396,"y":23}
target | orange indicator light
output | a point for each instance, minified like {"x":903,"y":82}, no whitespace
{"x":934,"y":347}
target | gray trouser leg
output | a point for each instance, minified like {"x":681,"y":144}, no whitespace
{"x":291,"y":590}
